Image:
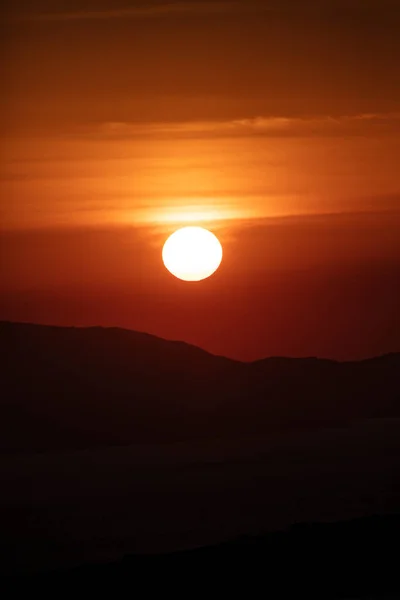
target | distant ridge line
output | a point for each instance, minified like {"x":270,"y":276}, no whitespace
{"x":105,"y":328}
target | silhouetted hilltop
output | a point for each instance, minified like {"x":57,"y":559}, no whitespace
{"x":74,"y":387}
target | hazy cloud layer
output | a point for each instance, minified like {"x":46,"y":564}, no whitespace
{"x":107,"y":10}
{"x":150,"y":10}
{"x":363,"y":124}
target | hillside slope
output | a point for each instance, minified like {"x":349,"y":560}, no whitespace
{"x":79,"y":387}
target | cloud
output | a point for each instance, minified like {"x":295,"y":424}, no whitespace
{"x":150,"y":11}
{"x":352,"y":125}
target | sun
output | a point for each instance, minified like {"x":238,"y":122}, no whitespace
{"x":192,"y":253}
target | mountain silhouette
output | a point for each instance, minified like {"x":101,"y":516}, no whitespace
{"x":82,"y":387}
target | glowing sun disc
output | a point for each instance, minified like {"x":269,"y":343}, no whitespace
{"x":192,"y":253}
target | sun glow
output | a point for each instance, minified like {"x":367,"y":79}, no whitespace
{"x":192,"y":253}
{"x":200,"y":214}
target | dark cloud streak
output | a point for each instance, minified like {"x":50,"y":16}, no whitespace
{"x":149,"y":11}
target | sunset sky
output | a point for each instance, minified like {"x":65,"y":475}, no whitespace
{"x":274,"y":124}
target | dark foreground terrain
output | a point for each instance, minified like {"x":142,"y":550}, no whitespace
{"x":121,"y":453}
{"x":352,"y":559}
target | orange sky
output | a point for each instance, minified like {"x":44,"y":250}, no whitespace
{"x":275,"y":125}
{"x":134,"y":173}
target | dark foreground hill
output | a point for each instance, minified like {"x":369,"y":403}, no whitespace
{"x":348,"y":559}
{"x":118,"y":443}
{"x":76,"y":387}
